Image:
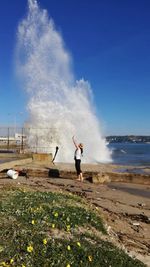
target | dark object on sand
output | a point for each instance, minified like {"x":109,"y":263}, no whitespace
{"x":54,"y":173}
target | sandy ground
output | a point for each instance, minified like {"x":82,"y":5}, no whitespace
{"x":124,"y":207}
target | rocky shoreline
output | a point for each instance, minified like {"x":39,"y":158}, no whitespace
{"x":124,"y":201}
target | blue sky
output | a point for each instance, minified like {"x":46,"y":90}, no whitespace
{"x":110,"y":45}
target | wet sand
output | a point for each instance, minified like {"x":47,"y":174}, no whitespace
{"x":132,"y":189}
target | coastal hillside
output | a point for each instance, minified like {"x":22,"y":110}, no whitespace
{"x":54,"y":229}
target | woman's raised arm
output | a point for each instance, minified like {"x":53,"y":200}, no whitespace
{"x":75,"y":143}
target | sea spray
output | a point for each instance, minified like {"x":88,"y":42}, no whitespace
{"x":58,"y":105}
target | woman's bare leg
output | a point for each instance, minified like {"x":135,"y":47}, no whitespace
{"x":78,"y":178}
{"x":81,"y":177}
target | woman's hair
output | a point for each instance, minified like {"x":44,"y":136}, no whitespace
{"x":81,"y":147}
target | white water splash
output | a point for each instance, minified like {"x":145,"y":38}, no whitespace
{"x":56,"y":100}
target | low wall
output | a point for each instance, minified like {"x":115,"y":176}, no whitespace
{"x":96,"y":177}
{"x":14,"y":155}
{"x":130,"y":178}
{"x":13,"y":163}
{"x":42,"y":157}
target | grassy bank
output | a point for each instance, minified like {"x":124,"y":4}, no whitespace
{"x":52,"y":229}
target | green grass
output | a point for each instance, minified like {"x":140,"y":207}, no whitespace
{"x":51,"y":229}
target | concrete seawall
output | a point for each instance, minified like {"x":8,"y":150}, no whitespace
{"x":41,"y":166}
{"x":15,"y":163}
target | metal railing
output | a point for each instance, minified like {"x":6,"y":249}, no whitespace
{"x":24,"y":139}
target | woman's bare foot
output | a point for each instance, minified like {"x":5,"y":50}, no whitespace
{"x":81,"y":177}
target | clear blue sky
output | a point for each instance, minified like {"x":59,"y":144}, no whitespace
{"x":110,"y":45}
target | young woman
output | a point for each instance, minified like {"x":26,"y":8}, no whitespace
{"x":77,"y":157}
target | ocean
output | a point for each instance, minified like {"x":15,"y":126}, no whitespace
{"x":135,"y":154}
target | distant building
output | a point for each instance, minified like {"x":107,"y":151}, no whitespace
{"x":17,"y":139}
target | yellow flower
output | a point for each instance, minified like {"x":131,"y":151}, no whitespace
{"x":33,"y":222}
{"x":78,"y":243}
{"x":56,"y":214}
{"x":3,"y":263}
{"x":11,"y":261}
{"x":23,"y":265}
{"x":1,"y":248}
{"x":53,"y":225}
{"x":30,"y":248}
{"x":68,"y":265}
{"x":44,"y":241}
{"x":68,"y":247}
{"x":68,"y":228}
{"x":90,"y":258}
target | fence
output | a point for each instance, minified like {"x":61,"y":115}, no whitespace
{"x":24,"y":139}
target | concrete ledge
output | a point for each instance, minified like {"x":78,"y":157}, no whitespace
{"x":37,"y":170}
{"x":14,"y":155}
{"x":13,"y":163}
{"x":50,"y":172}
{"x":130,"y":178}
{"x":42,"y":157}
